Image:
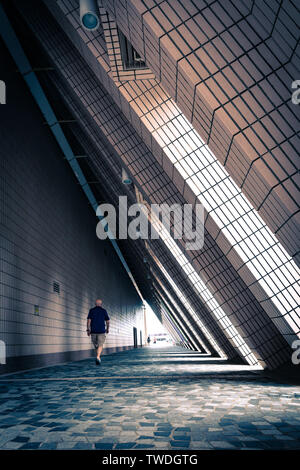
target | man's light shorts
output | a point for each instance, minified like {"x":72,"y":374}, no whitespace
{"x":98,"y":339}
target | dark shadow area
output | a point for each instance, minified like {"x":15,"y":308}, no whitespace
{"x":148,"y":362}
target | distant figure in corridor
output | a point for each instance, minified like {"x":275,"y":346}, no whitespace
{"x":98,"y":328}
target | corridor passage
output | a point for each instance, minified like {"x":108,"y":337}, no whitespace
{"x":148,"y":398}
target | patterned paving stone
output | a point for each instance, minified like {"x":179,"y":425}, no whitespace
{"x":148,"y":398}
{"x":146,"y":446}
{"x":180,"y":444}
{"x":31,"y":445}
{"x":125,"y":445}
{"x":12,"y":445}
{"x":49,"y":446}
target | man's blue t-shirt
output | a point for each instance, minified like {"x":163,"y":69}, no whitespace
{"x":98,"y":316}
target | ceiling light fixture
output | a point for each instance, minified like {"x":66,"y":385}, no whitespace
{"x":125,"y":177}
{"x":89,"y":15}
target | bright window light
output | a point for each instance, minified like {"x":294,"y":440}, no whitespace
{"x":254,"y":242}
{"x":203,"y":292}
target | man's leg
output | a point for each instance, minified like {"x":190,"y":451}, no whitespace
{"x":101,"y":341}
{"x":96,"y":344}
{"x":99,"y":351}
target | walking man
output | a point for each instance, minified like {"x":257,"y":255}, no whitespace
{"x":98,"y":327}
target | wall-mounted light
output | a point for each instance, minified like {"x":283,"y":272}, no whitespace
{"x":89,"y":14}
{"x":125,"y":177}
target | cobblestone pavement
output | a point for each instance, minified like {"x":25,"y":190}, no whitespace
{"x":150,"y":398}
